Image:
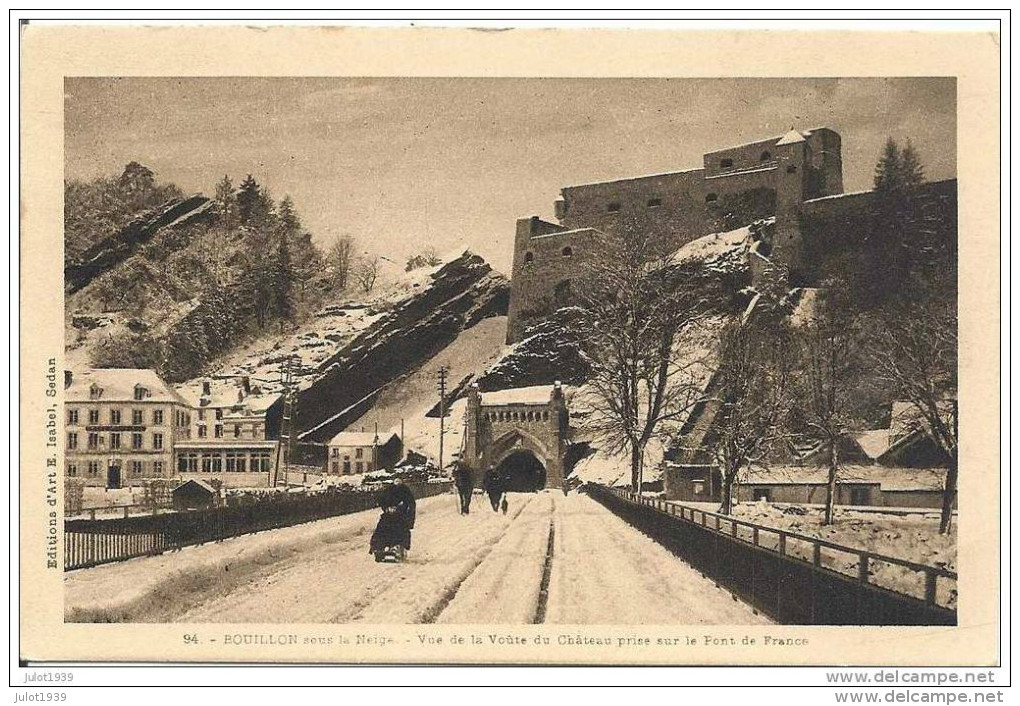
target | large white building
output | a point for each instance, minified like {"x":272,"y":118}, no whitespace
{"x":230,"y":433}
{"x":121,"y":426}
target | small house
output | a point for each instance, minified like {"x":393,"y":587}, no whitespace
{"x":194,"y":495}
{"x":352,"y":452}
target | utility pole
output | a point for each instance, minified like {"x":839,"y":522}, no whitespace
{"x":442,"y":372}
{"x":286,"y":445}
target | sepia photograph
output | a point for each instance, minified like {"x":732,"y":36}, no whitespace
{"x":510,"y":350}
{"x":568,"y":347}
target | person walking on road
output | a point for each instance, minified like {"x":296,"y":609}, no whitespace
{"x":464,"y":481}
{"x":493,"y":485}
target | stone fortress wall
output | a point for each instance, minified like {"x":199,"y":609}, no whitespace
{"x":679,"y":206}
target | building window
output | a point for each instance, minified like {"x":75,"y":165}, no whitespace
{"x":699,"y":487}
{"x":654,"y":203}
{"x":95,"y":391}
{"x":567,"y":251}
{"x":347,"y":467}
{"x":529,"y":257}
{"x":711,"y":198}
{"x":114,"y":441}
{"x":336,"y":466}
{"x":72,"y":416}
{"x":206,"y":463}
{"x":613,"y":207}
{"x":232,"y":461}
{"x":792,"y":169}
{"x":260,"y":462}
{"x":359,"y":467}
{"x":359,"y":453}
{"x":140,"y":392}
{"x":201,"y":415}
{"x":760,"y":494}
{"x":157,"y":417}
{"x":93,"y":441}
{"x":545,"y":416}
{"x":219,"y":413}
{"x":335,"y":452}
{"x":72,"y":440}
{"x":157,"y":468}
{"x":256,"y":430}
{"x":201,"y":431}
{"x":187,"y":462}
{"x":136,"y":468}
{"x":765,"y":156}
{"x":114,"y":416}
{"x":93,"y":469}
{"x":218,"y":431}
{"x":93,"y":416}
{"x":136,"y":417}
{"x":136,"y":441}
{"x":72,"y":469}
{"x":368,"y":466}
{"x":237,"y":431}
{"x":725,"y":163}
{"x":157,"y":442}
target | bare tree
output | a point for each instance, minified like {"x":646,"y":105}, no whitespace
{"x":913,"y":350}
{"x":366,"y":272}
{"x":341,"y":256}
{"x":634,"y":308}
{"x":752,"y":396}
{"x":827,"y":383}
{"x":426,"y":258}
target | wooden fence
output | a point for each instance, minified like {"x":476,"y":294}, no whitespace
{"x":794,"y":578}
{"x":92,"y":542}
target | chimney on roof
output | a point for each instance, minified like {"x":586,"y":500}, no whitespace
{"x":246,"y":385}
{"x":206,"y":388}
{"x":68,"y":378}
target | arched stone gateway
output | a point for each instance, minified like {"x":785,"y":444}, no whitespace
{"x":522,"y":431}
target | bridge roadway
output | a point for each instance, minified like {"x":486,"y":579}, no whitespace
{"x":550,"y":559}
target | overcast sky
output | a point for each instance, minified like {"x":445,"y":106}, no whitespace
{"x":406,"y":163}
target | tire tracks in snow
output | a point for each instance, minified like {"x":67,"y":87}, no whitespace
{"x":373,"y":598}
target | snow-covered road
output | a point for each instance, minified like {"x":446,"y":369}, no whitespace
{"x":550,"y":558}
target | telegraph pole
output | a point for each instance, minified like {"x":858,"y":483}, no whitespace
{"x":441,"y":373}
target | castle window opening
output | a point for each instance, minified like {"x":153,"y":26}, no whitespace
{"x":765,"y":156}
{"x":568,"y":251}
{"x":654,"y":203}
{"x":613,"y":207}
{"x":725,"y":163}
{"x":529,"y":257}
{"x":545,"y":416}
{"x":792,"y":169}
{"x":711,"y":198}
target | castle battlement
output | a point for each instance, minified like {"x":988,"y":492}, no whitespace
{"x":733,"y":187}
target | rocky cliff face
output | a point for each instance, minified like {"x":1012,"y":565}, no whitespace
{"x":353,"y":349}
{"x":112,"y":251}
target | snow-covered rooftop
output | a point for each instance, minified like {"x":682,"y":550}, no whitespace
{"x":119,"y":385}
{"x":361,"y":438}
{"x":536,"y":394}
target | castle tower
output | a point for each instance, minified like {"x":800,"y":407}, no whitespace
{"x":793,"y":174}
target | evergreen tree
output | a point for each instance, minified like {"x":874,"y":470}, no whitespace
{"x":283,"y":281}
{"x":888,"y":170}
{"x":249,"y":196}
{"x":226,"y":202}
{"x":911,"y":171}
{"x":290,"y":223}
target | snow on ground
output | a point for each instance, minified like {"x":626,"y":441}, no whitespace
{"x":605,"y":571}
{"x":331,"y":328}
{"x":912,"y":537}
{"x":410,"y":397}
{"x":714,"y":246}
{"x":485,"y":567}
